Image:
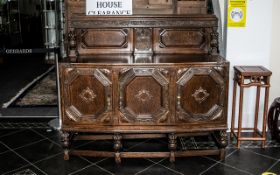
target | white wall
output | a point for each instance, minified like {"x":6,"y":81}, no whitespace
{"x":251,"y":45}
{"x":275,"y":52}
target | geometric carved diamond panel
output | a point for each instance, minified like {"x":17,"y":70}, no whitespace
{"x":88,"y":95}
{"x":200,"y":95}
{"x":143,"y":96}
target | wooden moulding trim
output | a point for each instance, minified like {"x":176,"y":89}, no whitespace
{"x":144,"y":154}
{"x":92,"y":153}
{"x":143,"y":130}
{"x":251,"y":139}
{"x":124,"y":136}
{"x":197,"y":153}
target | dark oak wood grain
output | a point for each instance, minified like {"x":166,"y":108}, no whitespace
{"x":154,"y":74}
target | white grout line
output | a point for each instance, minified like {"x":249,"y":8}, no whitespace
{"x":26,"y":145}
{"x":149,"y":167}
{"x":158,"y":163}
{"x":263,"y":155}
{"x":221,"y":162}
{"x":24,"y":158}
{"x":24,"y":166}
{"x":7,"y":104}
{"x":81,"y":169}
{"x":93,"y":162}
{"x":103,"y":169}
{"x":46,"y":137}
{"x":272,"y":165}
{"x":208,"y":168}
{"x":8,"y":172}
{"x":236,"y":168}
{"x":11,"y":133}
{"x":165,"y":166}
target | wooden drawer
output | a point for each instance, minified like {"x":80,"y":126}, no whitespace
{"x":104,"y":41}
{"x":180,"y":41}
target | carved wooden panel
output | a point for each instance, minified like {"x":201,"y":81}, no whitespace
{"x":153,"y":6}
{"x":200,"y":95}
{"x":87,"y":95}
{"x":180,"y":41}
{"x":102,"y":41}
{"x":144,"y":96}
{"x":143,"y":40}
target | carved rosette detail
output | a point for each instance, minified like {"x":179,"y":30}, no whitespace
{"x":87,"y":95}
{"x":143,"y":96}
{"x":200,"y":95}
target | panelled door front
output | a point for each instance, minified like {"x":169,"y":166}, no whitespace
{"x":200,"y":95}
{"x":86,"y":95}
{"x":144,"y":96}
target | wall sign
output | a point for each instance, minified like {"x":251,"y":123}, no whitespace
{"x":108,"y":7}
{"x":237,"y":13}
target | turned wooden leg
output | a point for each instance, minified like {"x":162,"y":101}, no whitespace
{"x":172,"y":145}
{"x":223,"y":143}
{"x":220,"y":137}
{"x":65,"y":139}
{"x":117,"y":147}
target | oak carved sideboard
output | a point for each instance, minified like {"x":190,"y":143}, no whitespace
{"x":154,"y":74}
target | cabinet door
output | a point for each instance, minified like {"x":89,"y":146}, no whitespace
{"x":86,"y":95}
{"x":144,"y":96}
{"x":200,"y":95}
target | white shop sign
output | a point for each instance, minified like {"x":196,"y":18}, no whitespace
{"x":108,"y":7}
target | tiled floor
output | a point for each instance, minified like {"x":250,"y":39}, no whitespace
{"x":37,"y":150}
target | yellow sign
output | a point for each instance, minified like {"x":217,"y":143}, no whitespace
{"x":268,"y":173}
{"x":237,"y":13}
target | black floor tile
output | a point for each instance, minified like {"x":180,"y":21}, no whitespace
{"x":128,"y":166}
{"x":3,"y":148}
{"x":92,"y":170}
{"x":221,"y":169}
{"x":6,"y":132}
{"x":26,"y":170}
{"x":101,"y":145}
{"x":249,"y":161}
{"x":10,"y":161}
{"x":230,"y":151}
{"x":270,"y":152}
{"x":145,"y":145}
{"x":189,"y":165}
{"x":276,"y":168}
{"x":49,"y":133}
{"x":40,"y":150}
{"x":21,"y":138}
{"x":57,"y":165}
{"x":158,"y":170}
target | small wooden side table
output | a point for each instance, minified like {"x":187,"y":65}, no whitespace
{"x":245,"y":77}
